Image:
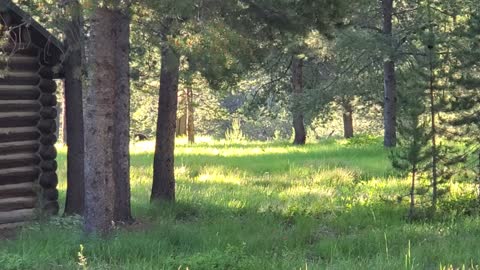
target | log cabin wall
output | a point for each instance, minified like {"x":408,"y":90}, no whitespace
{"x":28,"y":178}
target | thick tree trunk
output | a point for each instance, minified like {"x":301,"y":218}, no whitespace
{"x":163,"y":169}
{"x":190,"y":115}
{"x":121,"y":140}
{"x":347,"y":120}
{"x":74,"y":64}
{"x":99,"y":124}
{"x":390,"y":84}
{"x":297,"y":111}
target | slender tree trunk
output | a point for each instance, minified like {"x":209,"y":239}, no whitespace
{"x":181,"y":128}
{"x":163,"y":169}
{"x":434,"y":139}
{"x":99,"y":124}
{"x":412,"y":194}
{"x":121,"y":140}
{"x":74,"y":80}
{"x":390,"y":84}
{"x":297,"y":85}
{"x":478,"y":175}
{"x":347,"y":120}
{"x":190,"y":115}
{"x":62,"y":116}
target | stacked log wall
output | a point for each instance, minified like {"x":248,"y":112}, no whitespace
{"x":28,"y":178}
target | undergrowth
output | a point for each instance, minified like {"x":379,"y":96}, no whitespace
{"x":251,"y":205}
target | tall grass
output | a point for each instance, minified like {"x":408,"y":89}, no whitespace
{"x":251,"y":205}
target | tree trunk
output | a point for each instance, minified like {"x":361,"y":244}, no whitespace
{"x":163,"y":169}
{"x":99,"y":124}
{"x":390,"y":84}
{"x":412,"y":194}
{"x":62,"y":116}
{"x":190,"y":115}
{"x":74,"y":64}
{"x":121,"y":140}
{"x":434,"y":136}
{"x":478,"y":175}
{"x":347,"y":120}
{"x":297,"y":85}
{"x":181,"y":128}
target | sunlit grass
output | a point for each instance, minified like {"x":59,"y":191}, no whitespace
{"x":263,"y":205}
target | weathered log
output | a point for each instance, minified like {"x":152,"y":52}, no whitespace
{"x":18,"y":160}
{"x":47,"y":86}
{"x":49,"y":165}
{"x":50,"y":194}
{"x":49,"y":60}
{"x":14,"y":190}
{"x":17,"y":216}
{"x":50,"y":208}
{"x":48,"y":180}
{"x":20,"y":78}
{"x":19,"y":175}
{"x":48,"y":152}
{"x":19,"y":62}
{"x":47,"y":126}
{"x":19,"y":92}
{"x":18,"y":134}
{"x":19,"y":106}
{"x":12,"y":226}
{"x":22,"y":49}
{"x":19,"y":119}
{"x":48,"y":113}
{"x":48,"y":100}
{"x":48,"y":139}
{"x":47,"y":72}
{"x":15,"y":203}
{"x":18,"y":147}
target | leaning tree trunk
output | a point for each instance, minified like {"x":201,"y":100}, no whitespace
{"x":390,"y":84}
{"x":74,"y":64}
{"x":121,"y":139}
{"x":190,"y":115}
{"x":163,"y":168}
{"x":99,"y":124}
{"x":347,"y":120}
{"x":297,"y":85}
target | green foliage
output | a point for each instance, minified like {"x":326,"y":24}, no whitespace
{"x":235,"y":134}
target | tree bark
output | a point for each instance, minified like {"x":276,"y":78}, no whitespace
{"x":478,"y":176}
{"x":390,"y":84}
{"x":121,"y":139}
{"x":99,"y":124}
{"x":181,"y":127}
{"x":163,"y":169}
{"x":434,"y":136}
{"x":347,"y":120}
{"x":190,"y":115}
{"x":74,"y":64}
{"x":412,"y":193}
{"x":297,"y":85}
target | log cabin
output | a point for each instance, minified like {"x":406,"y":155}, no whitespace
{"x":30,"y":61}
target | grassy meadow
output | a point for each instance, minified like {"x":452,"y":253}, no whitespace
{"x":250,"y":205}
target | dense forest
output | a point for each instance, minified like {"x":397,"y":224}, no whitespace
{"x":257,"y":134}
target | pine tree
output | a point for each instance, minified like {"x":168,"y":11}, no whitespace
{"x":412,"y":155}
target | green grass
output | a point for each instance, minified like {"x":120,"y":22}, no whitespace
{"x":330,"y":205}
